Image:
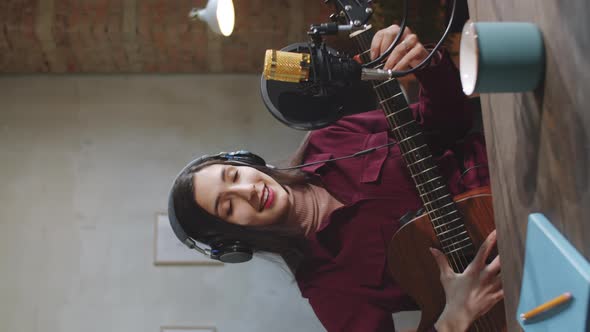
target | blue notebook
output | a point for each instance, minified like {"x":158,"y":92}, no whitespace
{"x":552,"y":266}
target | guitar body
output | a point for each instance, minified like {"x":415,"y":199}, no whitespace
{"x":413,"y":267}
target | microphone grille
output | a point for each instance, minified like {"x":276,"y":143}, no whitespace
{"x":286,"y":66}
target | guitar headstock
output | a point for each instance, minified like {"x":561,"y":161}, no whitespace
{"x":353,"y":12}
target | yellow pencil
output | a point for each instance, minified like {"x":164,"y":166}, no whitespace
{"x":563,"y":298}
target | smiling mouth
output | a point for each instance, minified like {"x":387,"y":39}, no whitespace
{"x":266,"y":199}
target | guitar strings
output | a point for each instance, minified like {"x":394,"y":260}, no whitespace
{"x":456,"y":260}
{"x":365,"y":45}
{"x":459,"y":266}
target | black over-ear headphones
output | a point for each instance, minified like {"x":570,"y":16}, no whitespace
{"x":227,"y":251}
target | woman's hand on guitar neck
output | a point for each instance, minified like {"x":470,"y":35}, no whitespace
{"x":472,"y":293}
{"x":408,"y":53}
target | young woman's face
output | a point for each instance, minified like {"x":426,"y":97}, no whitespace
{"x":240,"y":195}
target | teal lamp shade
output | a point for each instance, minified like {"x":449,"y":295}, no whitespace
{"x":219,"y":15}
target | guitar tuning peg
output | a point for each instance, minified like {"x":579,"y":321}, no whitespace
{"x":334,"y":17}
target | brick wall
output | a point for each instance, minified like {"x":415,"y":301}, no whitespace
{"x":148,"y":36}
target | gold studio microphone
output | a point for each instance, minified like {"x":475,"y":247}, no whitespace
{"x":286,"y":66}
{"x":297,"y":67}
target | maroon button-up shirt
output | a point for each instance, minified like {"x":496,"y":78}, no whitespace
{"x":345,"y":276}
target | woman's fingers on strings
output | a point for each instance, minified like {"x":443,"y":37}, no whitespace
{"x":494,"y":267}
{"x":499,"y":295}
{"x":484,"y":250}
{"x":394,"y":57}
{"x":398,"y":53}
{"x":409,"y":57}
{"x":407,"y":54}
{"x":442,"y":262}
{"x":496,"y":284}
{"x":381,"y":38}
{"x":492,"y":298}
{"x":386,"y":42}
{"x":384,"y":38}
{"x":393,"y":35}
{"x":492,"y":293}
{"x":376,"y":44}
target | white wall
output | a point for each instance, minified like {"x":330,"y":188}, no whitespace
{"x":86,"y":162}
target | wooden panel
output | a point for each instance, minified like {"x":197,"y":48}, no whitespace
{"x":537,"y":142}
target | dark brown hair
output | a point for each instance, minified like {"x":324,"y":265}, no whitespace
{"x":206,"y":228}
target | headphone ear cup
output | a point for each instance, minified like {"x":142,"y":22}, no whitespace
{"x":231,"y":252}
{"x":246,"y":157}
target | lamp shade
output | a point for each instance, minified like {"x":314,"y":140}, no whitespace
{"x":219,"y":15}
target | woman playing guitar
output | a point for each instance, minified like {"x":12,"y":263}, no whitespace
{"x":332,"y":221}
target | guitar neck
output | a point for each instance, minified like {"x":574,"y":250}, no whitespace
{"x":434,"y":193}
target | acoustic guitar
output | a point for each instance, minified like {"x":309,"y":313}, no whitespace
{"x":455,"y":225}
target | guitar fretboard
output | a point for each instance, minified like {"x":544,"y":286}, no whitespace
{"x":431,"y":187}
